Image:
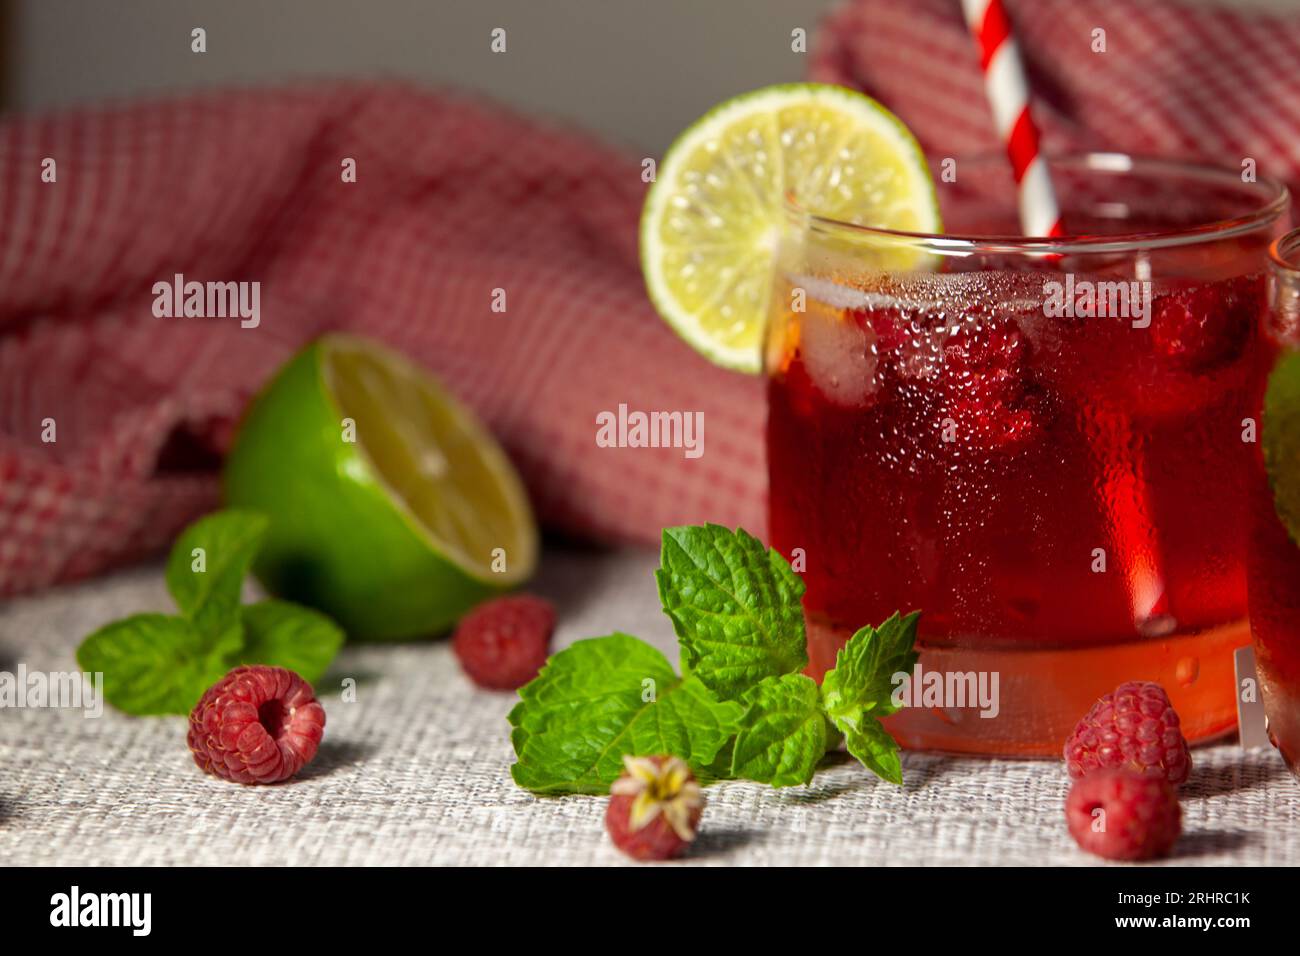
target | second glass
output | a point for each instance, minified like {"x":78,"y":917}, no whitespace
{"x":1043,"y":445}
{"x":1273,"y":561}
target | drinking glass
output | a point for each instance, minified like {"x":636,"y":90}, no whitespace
{"x":1044,"y":445}
{"x":1273,"y":563}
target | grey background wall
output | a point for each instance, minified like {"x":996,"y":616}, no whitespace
{"x":634,"y":70}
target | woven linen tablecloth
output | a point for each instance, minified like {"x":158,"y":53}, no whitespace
{"x":416,"y":771}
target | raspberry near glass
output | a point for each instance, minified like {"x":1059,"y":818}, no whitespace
{"x":1060,"y":485}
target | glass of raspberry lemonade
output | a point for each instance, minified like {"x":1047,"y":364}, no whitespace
{"x":1045,"y":445}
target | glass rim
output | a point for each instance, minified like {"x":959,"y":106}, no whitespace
{"x":1274,"y":199}
{"x":1284,"y":252}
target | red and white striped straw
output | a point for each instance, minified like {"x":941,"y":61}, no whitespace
{"x":1008,"y":93}
{"x":1125,"y":491}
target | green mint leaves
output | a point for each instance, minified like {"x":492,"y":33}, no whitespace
{"x":606,"y":697}
{"x":734,"y":605}
{"x":784,"y":735}
{"x":290,"y":636}
{"x":162,"y":664}
{"x":859,"y":691}
{"x":151,"y":663}
{"x":744,"y":710}
{"x":226,"y":542}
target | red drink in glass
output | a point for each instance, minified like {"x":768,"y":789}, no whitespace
{"x":1040,"y":445}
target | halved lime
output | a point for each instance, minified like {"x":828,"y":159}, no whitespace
{"x":713,"y":217}
{"x":391,"y":508}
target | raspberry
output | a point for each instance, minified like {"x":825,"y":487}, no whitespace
{"x":1134,"y":727}
{"x":257,"y":724}
{"x":1201,"y":327}
{"x":654,"y":808}
{"x":503,"y":644}
{"x":888,"y":328}
{"x":990,"y":394}
{"x":1123,"y":815}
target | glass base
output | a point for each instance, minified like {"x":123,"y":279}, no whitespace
{"x":1283,"y":710}
{"x":1041,"y":694}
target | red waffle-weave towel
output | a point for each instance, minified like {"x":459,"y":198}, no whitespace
{"x":453,"y":200}
{"x":1174,"y":80}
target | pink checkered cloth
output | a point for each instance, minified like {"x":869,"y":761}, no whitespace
{"x":1185,"y":82}
{"x":454,"y":199}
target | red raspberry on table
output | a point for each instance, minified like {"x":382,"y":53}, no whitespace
{"x":1124,"y":815}
{"x":1134,"y":727}
{"x":654,"y":808}
{"x":257,"y":724}
{"x":503,"y":643}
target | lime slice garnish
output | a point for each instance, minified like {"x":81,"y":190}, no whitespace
{"x":391,"y":507}
{"x":1281,"y":439}
{"x":714,"y":216}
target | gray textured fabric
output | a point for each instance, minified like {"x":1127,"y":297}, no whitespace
{"x":416,"y":772}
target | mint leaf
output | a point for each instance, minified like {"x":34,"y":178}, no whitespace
{"x":160,"y":664}
{"x":871,"y":743}
{"x":281,"y":634}
{"x":783,"y":734}
{"x":605,"y":697}
{"x":863,"y":679}
{"x":152,"y":664}
{"x":734,"y":605}
{"x":210,"y":597}
{"x":719,"y":768}
{"x":860,"y":689}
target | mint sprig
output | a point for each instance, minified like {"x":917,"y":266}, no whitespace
{"x":744,"y":710}
{"x":162,"y":664}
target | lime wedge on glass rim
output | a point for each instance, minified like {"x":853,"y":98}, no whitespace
{"x":395,"y":526}
{"x":1280,"y":433}
{"x":714,"y":216}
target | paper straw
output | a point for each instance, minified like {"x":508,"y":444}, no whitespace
{"x":1008,"y":94}
{"x":1124,"y":486}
